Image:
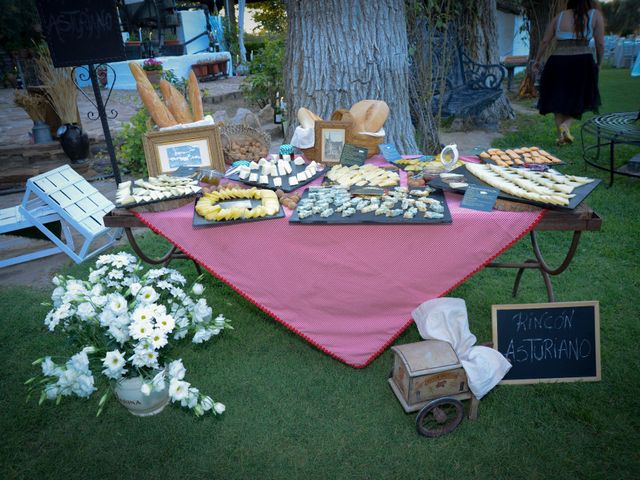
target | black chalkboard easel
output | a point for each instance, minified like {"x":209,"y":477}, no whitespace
{"x":84,"y":32}
{"x":548,"y":342}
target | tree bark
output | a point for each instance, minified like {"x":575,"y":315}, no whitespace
{"x":478,"y":32}
{"x":342,"y":51}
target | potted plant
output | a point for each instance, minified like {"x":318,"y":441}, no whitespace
{"x":61,"y":92}
{"x":153,"y":68}
{"x":35,"y":106}
{"x":201,"y":69}
{"x":125,"y":323}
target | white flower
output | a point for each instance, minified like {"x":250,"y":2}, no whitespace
{"x":89,"y":350}
{"x":117,"y":303}
{"x":145,"y":358}
{"x":120,"y":335}
{"x":144,"y":313}
{"x":96,"y":290}
{"x":206,"y":403}
{"x":158,"y":338}
{"x":122,"y":321}
{"x":202,"y":335}
{"x":148,"y":295}
{"x":164,"y":285}
{"x":140,"y":329}
{"x":176,"y":370}
{"x":86,"y":311}
{"x":166,"y":323}
{"x":83,"y":386}
{"x":67,"y":380}
{"x":50,"y":321}
{"x":114,"y":360}
{"x":178,"y":390}
{"x":180,"y":334}
{"x":146,"y":389}
{"x":51,"y":390}
{"x":158,"y":310}
{"x":96,"y":275}
{"x":116,"y":274}
{"x":158,"y":382}
{"x":79,"y":362}
{"x":75,"y":290}
{"x":135,"y":288}
{"x":177,"y":292}
{"x":50,"y":369}
{"x":99,"y":300}
{"x":197,"y":288}
{"x":192,"y":398}
{"x":57,"y":280}
{"x":177,"y":277}
{"x":56,"y":296}
{"x":219,"y":408}
{"x":107,"y":317}
{"x":201,"y":311}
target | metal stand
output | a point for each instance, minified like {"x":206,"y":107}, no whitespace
{"x":173,"y":253}
{"x":101,"y":108}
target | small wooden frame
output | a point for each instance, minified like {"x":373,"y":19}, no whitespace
{"x":330,"y":137}
{"x":166,"y":151}
{"x":549,"y":342}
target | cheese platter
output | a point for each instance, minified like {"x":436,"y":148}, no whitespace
{"x":277,"y":172}
{"x":228,"y":206}
{"x":153,"y":190}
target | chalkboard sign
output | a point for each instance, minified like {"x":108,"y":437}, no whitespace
{"x":548,"y":342}
{"x":81,"y":32}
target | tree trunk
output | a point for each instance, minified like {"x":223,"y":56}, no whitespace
{"x":477,"y":28}
{"x":342,"y":51}
{"x":538,"y":14}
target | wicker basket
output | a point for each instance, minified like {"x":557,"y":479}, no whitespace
{"x":357,"y":139}
{"x":240,"y":142}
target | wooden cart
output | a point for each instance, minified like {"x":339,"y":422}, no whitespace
{"x":427,"y":377}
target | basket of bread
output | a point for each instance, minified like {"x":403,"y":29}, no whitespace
{"x":242,"y":142}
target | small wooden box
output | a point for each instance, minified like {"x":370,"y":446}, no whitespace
{"x":425,"y":371}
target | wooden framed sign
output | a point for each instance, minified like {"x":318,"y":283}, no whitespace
{"x":330,"y":138}
{"x":548,"y":342}
{"x":81,"y":32}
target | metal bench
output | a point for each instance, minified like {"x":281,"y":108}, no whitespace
{"x":470,"y":87}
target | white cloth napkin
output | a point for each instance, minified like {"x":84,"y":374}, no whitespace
{"x":446,"y":319}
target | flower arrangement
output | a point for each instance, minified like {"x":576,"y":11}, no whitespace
{"x":152,"y":65}
{"x":126,"y":322}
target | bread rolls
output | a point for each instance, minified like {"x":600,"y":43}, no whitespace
{"x":307,"y":118}
{"x":176,"y":102}
{"x":369,"y":115}
{"x":194,"y":97}
{"x":158,"y":111}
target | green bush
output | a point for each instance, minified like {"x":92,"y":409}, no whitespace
{"x":131,"y":151}
{"x":265,"y":74}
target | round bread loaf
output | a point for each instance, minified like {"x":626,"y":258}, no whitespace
{"x":307,"y":118}
{"x":369,"y":115}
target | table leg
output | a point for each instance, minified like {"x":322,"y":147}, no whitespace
{"x":611,"y":157}
{"x":173,"y":253}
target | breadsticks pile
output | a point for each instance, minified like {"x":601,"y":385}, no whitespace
{"x":518,"y":156}
{"x":175,"y":108}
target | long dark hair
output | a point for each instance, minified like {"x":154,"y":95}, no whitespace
{"x":580,"y":12}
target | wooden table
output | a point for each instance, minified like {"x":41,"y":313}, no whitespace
{"x":511,"y":63}
{"x":579,"y":220}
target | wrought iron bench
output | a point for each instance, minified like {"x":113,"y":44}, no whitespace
{"x":470,"y":87}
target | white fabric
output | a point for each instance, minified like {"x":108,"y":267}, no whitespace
{"x":446,"y":319}
{"x":208,"y":120}
{"x":303,"y":137}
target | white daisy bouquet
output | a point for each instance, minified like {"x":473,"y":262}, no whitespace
{"x":126,"y":322}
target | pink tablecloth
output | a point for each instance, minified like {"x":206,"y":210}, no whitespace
{"x":347,"y":289}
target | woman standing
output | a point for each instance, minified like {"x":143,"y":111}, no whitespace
{"x":569,"y":83}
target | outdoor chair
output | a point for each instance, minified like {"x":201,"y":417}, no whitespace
{"x":60,"y":195}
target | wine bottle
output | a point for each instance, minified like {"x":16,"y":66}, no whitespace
{"x":277,"y":110}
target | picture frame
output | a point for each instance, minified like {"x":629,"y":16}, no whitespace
{"x":330,"y":138}
{"x":169,"y":150}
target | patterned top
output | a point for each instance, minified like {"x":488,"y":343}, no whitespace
{"x":588,"y":32}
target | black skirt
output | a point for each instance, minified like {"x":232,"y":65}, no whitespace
{"x":569,"y":85}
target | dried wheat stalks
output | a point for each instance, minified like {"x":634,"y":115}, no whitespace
{"x":34,"y":105}
{"x":59,"y":85}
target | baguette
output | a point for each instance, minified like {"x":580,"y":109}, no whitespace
{"x":194,"y":97}
{"x":175,"y":102}
{"x":158,"y":111}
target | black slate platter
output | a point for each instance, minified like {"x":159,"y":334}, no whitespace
{"x":580,"y":193}
{"x":151,"y":202}
{"x":371,"y":218}
{"x":199,"y":221}
{"x":295,"y":169}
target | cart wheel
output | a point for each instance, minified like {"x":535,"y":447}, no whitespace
{"x":439,"y":417}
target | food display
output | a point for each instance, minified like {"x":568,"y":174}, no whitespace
{"x":399,"y":205}
{"x":277,"y":172}
{"x":549,"y":187}
{"x":519,"y":157}
{"x":362,"y":175}
{"x":289,"y":200}
{"x":239,"y":147}
{"x":236,"y":204}
{"x":155,"y":189}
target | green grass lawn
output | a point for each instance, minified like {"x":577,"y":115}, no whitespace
{"x":293,"y":412}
